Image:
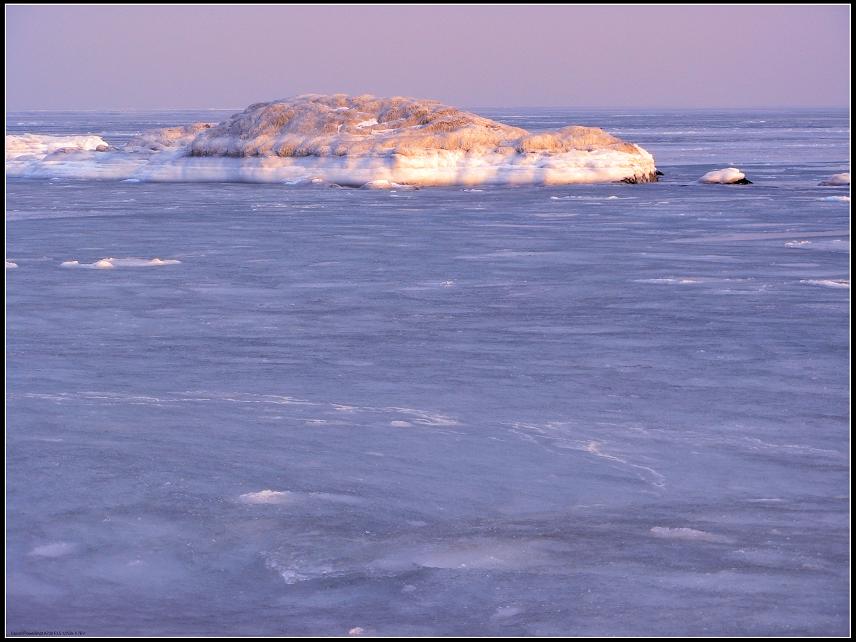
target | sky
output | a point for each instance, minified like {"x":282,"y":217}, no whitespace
{"x":151,"y":57}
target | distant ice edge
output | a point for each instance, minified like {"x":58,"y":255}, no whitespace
{"x":349,"y":141}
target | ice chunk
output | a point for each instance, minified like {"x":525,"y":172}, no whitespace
{"x":837,"y":180}
{"x":727,"y":176}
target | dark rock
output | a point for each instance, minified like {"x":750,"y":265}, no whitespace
{"x":643,"y":178}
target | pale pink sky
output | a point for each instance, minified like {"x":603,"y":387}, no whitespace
{"x":94,"y":57}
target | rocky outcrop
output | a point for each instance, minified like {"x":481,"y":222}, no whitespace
{"x":366,"y":126}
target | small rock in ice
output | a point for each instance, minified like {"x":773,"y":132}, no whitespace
{"x":727,"y":176}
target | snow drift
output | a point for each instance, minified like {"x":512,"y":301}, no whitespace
{"x":346,"y":140}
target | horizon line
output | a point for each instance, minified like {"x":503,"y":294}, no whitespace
{"x":467,"y":107}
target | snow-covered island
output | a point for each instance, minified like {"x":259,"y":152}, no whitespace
{"x":343,"y":140}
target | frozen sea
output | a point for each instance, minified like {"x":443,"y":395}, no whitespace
{"x":583,"y":410}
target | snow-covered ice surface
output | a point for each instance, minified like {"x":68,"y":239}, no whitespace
{"x":38,"y":146}
{"x":110,"y":263}
{"x":585,"y":410}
